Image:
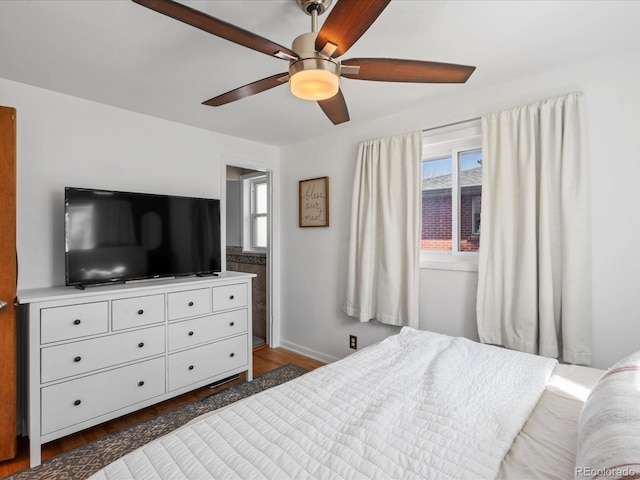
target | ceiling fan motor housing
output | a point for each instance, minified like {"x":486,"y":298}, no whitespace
{"x":305,"y":46}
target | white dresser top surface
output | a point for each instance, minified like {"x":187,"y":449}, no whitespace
{"x":55,"y":293}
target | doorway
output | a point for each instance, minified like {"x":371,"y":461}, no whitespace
{"x":248,"y":194}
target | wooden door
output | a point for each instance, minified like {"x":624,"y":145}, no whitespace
{"x":8,"y":340}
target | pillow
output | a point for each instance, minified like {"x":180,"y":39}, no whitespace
{"x":609,"y":425}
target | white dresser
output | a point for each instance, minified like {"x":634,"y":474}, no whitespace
{"x":105,"y":351}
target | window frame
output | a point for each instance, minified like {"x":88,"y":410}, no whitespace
{"x":450,"y":142}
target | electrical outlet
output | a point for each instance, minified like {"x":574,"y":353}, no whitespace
{"x":353,"y":342}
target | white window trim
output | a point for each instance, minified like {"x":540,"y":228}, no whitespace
{"x":248,"y":209}
{"x":449,"y":141}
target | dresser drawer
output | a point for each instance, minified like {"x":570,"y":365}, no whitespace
{"x":137,"y":312}
{"x":200,"y":363}
{"x":73,"y":321}
{"x":77,"y":401}
{"x":83,"y":356}
{"x":205,"y":329}
{"x":229,"y":296}
{"x":189,"y":303}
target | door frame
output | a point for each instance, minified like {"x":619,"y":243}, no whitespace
{"x":273,"y":250}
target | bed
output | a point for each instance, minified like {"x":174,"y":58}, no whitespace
{"x":416,"y":405}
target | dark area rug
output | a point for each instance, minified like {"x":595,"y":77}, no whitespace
{"x":83,"y":461}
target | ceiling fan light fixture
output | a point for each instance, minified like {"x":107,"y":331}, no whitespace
{"x":314,"y":78}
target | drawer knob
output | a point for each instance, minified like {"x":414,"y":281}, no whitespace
{"x":232,"y":354}
{"x":77,"y":402}
{"x":190,"y":367}
{"x":77,"y":359}
{"x":191,"y":304}
{"x":191,"y":334}
{"x":140,"y":312}
{"x":77,"y":321}
{"x":141,"y":344}
{"x":231,"y":324}
{"x":231,"y":297}
{"x":140,"y":383}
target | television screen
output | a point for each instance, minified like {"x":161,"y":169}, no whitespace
{"x":117,"y":236}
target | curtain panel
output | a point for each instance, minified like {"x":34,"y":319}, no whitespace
{"x":384,"y":245}
{"x":534,"y":266}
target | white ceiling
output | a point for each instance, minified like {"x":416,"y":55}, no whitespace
{"x":119,"y":53}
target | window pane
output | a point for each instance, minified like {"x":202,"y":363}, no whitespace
{"x":260,"y":232}
{"x":436,"y":204}
{"x":470,"y":168}
{"x":261,"y":197}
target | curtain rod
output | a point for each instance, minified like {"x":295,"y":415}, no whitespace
{"x":452,"y":124}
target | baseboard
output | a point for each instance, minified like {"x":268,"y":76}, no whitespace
{"x":308,"y":352}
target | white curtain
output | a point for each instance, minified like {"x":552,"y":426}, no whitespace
{"x":384,"y":247}
{"x":534,"y":266}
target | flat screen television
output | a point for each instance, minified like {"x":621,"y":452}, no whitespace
{"x":113,"y":236}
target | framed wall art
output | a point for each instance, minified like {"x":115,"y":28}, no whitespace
{"x":314,"y":202}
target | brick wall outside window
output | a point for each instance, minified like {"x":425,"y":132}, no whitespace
{"x":436,"y":221}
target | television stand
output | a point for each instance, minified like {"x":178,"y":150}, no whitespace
{"x":206,"y":274}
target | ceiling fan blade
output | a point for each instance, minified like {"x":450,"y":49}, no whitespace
{"x":416,"y":71}
{"x":248,"y":90}
{"x":335,"y":108}
{"x":346,"y":23}
{"x":217,"y":27}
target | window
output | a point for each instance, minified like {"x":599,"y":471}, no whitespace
{"x":451,"y":193}
{"x":256,"y":200}
{"x":259,"y":213}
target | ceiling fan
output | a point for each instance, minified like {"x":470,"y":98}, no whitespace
{"x":314,"y":69}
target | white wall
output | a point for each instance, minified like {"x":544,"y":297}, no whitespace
{"x":314,"y":271}
{"x":67,"y":141}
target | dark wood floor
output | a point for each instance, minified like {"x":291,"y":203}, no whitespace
{"x":264,"y":360}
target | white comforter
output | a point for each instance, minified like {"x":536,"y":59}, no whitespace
{"x":417,"y":405}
